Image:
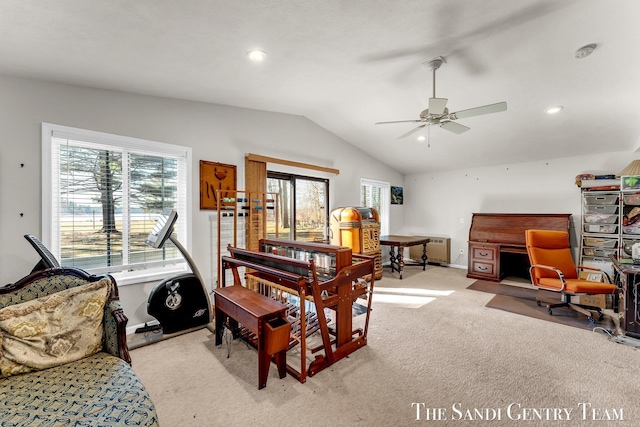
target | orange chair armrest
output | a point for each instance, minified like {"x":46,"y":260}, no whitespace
{"x":585,"y":267}
{"x":547,"y":267}
{"x":556,"y":270}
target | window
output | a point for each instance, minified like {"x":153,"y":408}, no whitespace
{"x":101,"y":196}
{"x":303,"y":206}
{"x":377,"y":195}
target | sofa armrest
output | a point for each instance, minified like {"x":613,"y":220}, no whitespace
{"x":115,"y":331}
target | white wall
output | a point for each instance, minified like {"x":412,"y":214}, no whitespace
{"x":215,"y":133}
{"x":433,"y":203}
{"x":443,"y":203}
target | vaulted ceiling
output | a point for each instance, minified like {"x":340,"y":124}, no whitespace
{"x":347,"y":64}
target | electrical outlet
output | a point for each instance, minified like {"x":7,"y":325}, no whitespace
{"x":461,"y":251}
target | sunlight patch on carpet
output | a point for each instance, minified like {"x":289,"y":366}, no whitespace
{"x":413,"y":291}
{"x":407,"y":297}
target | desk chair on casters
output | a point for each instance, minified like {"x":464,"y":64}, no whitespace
{"x":552,"y":269}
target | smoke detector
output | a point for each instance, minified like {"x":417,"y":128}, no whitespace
{"x":585,"y":51}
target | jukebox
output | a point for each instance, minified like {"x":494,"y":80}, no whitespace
{"x":359,"y":229}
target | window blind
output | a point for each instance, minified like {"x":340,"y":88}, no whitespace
{"x":106,"y":192}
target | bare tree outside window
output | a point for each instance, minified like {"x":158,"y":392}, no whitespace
{"x":91,"y":204}
{"x":302,"y":206}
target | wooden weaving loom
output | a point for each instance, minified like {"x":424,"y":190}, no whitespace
{"x":336,"y":288}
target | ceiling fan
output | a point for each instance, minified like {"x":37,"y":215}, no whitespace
{"x":438,"y":114}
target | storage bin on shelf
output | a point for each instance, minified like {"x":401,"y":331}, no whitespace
{"x":630,"y":182}
{"x":601,"y":228}
{"x":625,"y":247}
{"x":600,"y":209}
{"x":601,"y":199}
{"x":600,"y":242}
{"x":631,"y":199}
{"x":601,"y":219}
{"x":631,"y":229}
{"x":599,"y":252}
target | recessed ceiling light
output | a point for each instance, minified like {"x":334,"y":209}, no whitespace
{"x":421,"y":138}
{"x":554,"y":110}
{"x":256,"y":55}
{"x":585,"y":51}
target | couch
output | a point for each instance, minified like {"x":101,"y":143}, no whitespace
{"x":63,"y":354}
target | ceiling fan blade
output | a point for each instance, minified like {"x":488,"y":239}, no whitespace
{"x":454,"y":127}
{"x":437,"y":105}
{"x":486,"y":109}
{"x":411,"y":131}
{"x":399,"y":121}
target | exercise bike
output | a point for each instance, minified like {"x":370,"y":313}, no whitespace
{"x":179,"y":302}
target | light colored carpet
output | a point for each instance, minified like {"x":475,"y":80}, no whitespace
{"x":431,"y":341}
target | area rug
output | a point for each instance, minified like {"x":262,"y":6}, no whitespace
{"x":522,"y":301}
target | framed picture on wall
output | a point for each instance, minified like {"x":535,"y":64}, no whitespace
{"x":396,"y":195}
{"x":216,"y":180}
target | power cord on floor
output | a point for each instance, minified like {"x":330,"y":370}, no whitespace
{"x":618,"y":337}
{"x":606,"y":331}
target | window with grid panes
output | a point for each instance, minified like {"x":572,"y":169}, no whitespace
{"x":103,"y":194}
{"x":377,"y":195}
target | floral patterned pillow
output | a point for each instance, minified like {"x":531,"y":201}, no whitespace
{"x":52,"y":330}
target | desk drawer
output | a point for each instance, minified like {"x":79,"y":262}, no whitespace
{"x":484,"y":268}
{"x":483,"y":252}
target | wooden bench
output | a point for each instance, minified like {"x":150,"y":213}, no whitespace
{"x":263,"y":316}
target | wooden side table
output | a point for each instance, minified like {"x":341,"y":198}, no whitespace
{"x":397,"y":244}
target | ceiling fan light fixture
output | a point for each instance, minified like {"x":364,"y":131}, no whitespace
{"x":256,"y":55}
{"x":437,"y":114}
{"x":554,"y":110}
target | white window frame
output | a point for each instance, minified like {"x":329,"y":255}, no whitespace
{"x":292,"y":178}
{"x":153,"y":273}
{"x":385,"y":201}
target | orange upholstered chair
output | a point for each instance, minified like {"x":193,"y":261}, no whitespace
{"x":552,"y":269}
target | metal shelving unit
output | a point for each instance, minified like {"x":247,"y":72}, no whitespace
{"x":600,"y":229}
